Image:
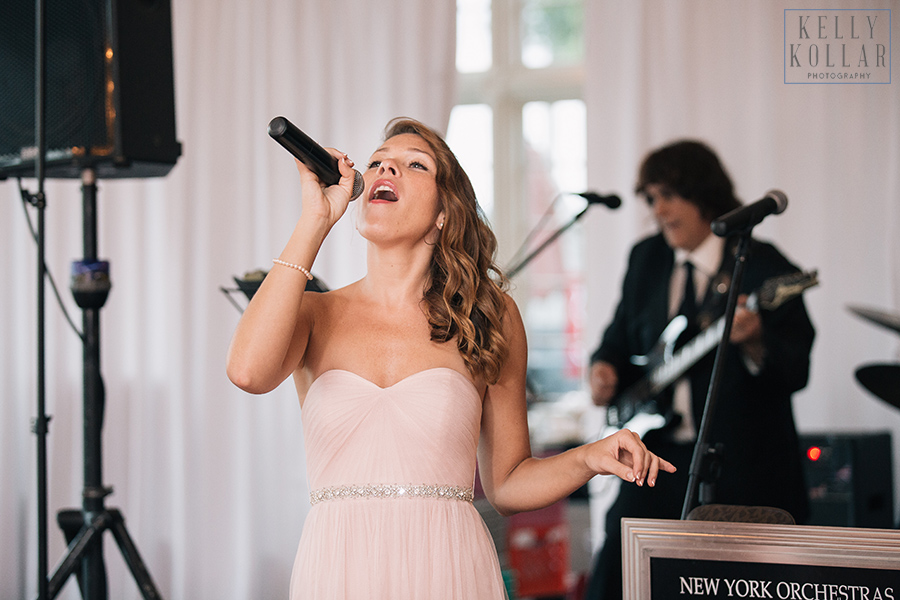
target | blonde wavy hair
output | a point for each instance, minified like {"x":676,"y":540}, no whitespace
{"x":464,"y":294}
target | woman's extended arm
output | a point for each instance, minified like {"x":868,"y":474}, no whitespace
{"x":271,"y":337}
{"x":513,"y":480}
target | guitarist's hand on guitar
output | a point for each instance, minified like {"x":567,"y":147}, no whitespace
{"x":624,"y":455}
{"x":603,"y":381}
{"x":747,"y":324}
{"x":746,"y":330}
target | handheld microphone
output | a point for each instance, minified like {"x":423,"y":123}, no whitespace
{"x":311,"y":154}
{"x":612,"y":201}
{"x":746,"y":217}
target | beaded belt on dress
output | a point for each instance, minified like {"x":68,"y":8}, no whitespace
{"x":349,"y":492}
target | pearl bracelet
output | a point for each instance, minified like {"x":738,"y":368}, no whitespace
{"x":303,"y":270}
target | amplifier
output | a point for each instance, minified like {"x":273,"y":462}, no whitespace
{"x":850,"y":479}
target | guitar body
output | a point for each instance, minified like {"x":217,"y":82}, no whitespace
{"x":636,"y":407}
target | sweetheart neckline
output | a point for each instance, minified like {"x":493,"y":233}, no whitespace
{"x":399,"y":381}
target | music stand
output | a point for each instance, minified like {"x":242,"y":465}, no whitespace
{"x":250,"y":282}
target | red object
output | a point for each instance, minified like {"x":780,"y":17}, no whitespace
{"x":814,"y":453}
{"x":538,"y":547}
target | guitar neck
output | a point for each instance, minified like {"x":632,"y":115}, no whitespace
{"x":686,"y":357}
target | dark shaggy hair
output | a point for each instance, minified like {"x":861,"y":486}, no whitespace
{"x":693,"y":171}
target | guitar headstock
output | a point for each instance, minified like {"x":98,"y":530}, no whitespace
{"x":778,"y":290}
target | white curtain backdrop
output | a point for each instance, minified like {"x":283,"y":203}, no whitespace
{"x":657,"y":71}
{"x":211,"y":481}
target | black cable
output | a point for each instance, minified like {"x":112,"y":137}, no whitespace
{"x":25,"y":197}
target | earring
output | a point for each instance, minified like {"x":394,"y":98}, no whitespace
{"x":441,"y":225}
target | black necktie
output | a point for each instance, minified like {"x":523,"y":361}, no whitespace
{"x":689,"y":298}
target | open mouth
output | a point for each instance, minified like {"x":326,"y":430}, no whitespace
{"x":385,"y":193}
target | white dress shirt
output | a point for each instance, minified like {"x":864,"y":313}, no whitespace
{"x":706,"y":258}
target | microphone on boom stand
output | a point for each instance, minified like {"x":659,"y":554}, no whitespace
{"x":611,"y":201}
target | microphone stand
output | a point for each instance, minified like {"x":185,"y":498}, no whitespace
{"x":705,"y":462}
{"x":514,"y":270}
{"x":38,"y":200}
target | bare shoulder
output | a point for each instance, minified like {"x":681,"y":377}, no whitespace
{"x":512,"y":318}
{"x":510,"y":304}
{"x":514,"y":333}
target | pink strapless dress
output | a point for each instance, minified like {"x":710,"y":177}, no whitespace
{"x":391,"y":472}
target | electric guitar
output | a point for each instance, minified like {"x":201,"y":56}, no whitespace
{"x":635,"y":408}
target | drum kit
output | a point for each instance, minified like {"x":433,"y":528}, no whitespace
{"x":881,"y":379}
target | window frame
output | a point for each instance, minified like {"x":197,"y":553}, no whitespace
{"x":506,"y":87}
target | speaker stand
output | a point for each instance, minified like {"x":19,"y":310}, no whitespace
{"x":84,"y":529}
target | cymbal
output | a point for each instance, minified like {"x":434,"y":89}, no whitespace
{"x":882,"y":380}
{"x":884,"y":318}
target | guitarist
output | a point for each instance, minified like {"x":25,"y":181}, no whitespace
{"x":687,"y":188}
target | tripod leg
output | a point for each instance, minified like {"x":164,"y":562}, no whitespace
{"x":79,"y":546}
{"x":71,"y":522}
{"x":132,"y":557}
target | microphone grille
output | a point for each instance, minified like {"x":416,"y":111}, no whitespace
{"x":277,"y":126}
{"x":358,"y":185}
{"x":780,"y":199}
{"x":613,"y":201}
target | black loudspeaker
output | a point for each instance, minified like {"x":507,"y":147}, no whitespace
{"x":110,"y":93}
{"x":850,"y":479}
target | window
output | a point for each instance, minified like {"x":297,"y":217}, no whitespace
{"x":519,"y":131}
{"x":551,"y":33}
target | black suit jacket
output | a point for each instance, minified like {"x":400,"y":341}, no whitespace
{"x":754,"y":420}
